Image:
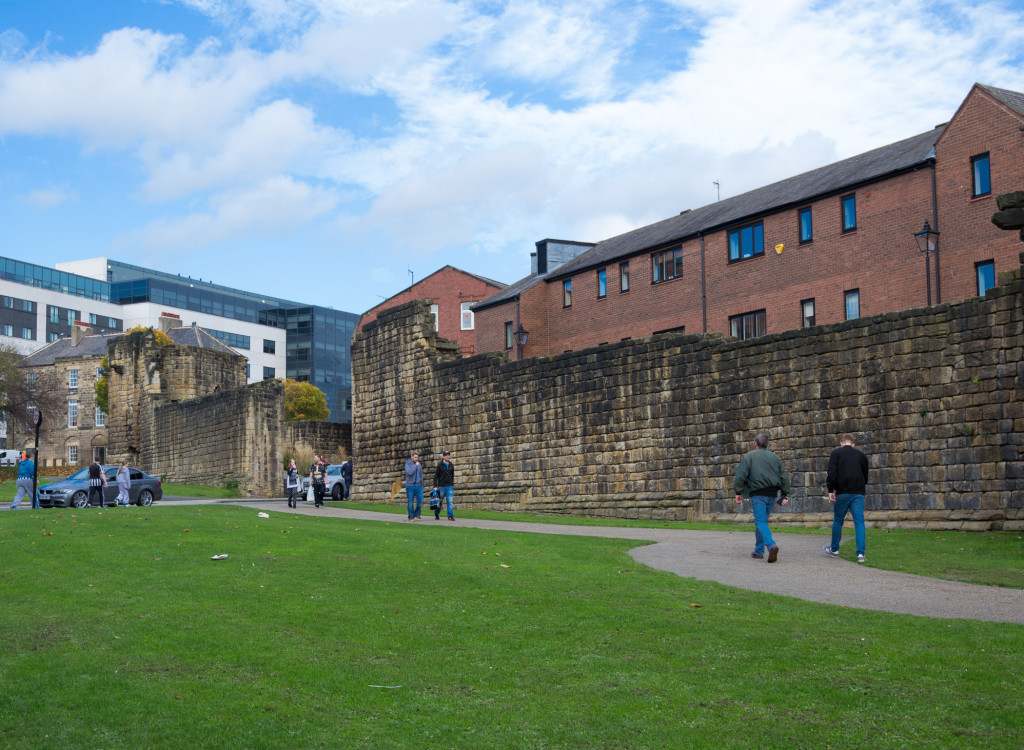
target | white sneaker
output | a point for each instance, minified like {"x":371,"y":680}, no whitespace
{"x":827,"y":549}
{"x":860,"y":558}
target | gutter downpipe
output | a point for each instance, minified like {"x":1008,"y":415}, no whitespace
{"x":703,"y":288}
{"x":935,"y":223}
{"x":519,"y":347}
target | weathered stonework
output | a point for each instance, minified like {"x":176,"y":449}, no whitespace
{"x":655,"y":428}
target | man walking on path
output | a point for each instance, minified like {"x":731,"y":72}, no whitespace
{"x":444,"y":483}
{"x":414,"y":485}
{"x":846,"y":479}
{"x":26,"y":468}
{"x":318,"y":479}
{"x":97,"y":481}
{"x":763,"y":478}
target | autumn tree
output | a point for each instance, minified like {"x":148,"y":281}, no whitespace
{"x":304,"y":401}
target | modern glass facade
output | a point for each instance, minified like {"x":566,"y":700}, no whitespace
{"x":54,"y":280}
{"x":318,"y":339}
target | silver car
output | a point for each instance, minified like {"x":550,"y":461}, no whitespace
{"x":73,"y":492}
{"x":335,"y":483}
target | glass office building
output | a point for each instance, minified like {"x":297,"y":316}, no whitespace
{"x":318,"y":338}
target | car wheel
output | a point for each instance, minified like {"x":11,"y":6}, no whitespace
{"x":80,"y":499}
{"x":337,"y":492}
{"x":145,"y":497}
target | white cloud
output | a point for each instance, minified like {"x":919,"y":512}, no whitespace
{"x":46,"y":198}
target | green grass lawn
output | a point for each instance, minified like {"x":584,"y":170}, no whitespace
{"x":989,"y":558}
{"x":198,"y":490}
{"x":120,"y":632}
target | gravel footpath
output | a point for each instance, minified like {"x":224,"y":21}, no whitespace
{"x":802,"y":571}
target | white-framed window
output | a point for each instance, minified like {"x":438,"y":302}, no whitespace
{"x":31,"y":379}
{"x":433,"y":311}
{"x":852,"y":299}
{"x":509,"y":336}
{"x":72,"y":454}
{"x":101,"y":417}
{"x":99,"y":373}
{"x":72,"y":379}
{"x":467,"y":316}
{"x":72,"y":412}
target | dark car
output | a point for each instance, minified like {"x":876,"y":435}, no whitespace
{"x":73,"y":492}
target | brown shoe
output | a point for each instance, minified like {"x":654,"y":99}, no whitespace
{"x":773,"y":553}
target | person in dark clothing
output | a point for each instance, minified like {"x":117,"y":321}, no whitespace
{"x":291,"y":483}
{"x":318,"y":479}
{"x":763,"y":478}
{"x":444,"y":483}
{"x":97,"y":481}
{"x":346,"y":474}
{"x":846,"y":480}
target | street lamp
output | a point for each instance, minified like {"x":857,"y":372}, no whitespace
{"x":520,"y":334}
{"x":928,"y":243}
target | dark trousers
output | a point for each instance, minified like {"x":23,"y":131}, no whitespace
{"x":96,"y":491}
{"x":318,"y":493}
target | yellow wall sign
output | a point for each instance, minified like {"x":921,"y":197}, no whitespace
{"x":779,"y":248}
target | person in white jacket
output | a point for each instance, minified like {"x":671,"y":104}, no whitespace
{"x":124,"y":483}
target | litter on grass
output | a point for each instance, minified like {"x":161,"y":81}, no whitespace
{"x":219,"y":557}
{"x":262,"y":515}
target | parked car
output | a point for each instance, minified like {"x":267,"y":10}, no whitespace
{"x":335,"y":483}
{"x":73,"y":492}
{"x":9,"y":457}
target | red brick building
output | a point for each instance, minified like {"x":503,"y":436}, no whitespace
{"x":825,"y":246}
{"x":451,"y":292}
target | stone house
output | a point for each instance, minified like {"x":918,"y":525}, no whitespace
{"x":833,"y":244}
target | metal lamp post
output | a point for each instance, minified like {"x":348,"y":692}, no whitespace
{"x":520,"y":334}
{"x":928,"y":243}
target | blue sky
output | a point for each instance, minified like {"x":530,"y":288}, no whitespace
{"x":320,"y":149}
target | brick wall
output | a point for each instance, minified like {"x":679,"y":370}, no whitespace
{"x":448,"y":288}
{"x":654,"y":428}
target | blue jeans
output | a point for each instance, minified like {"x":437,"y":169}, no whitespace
{"x":762,"y":508}
{"x":446,"y":494}
{"x":415,"y":500}
{"x":855,"y":505}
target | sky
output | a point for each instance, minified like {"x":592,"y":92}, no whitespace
{"x":332,"y":151}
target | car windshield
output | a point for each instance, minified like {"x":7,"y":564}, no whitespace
{"x":80,"y":474}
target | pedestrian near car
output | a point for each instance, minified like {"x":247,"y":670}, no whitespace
{"x":346,"y":474}
{"x":846,"y":480}
{"x":444,"y":483}
{"x":97,"y":481}
{"x":762,"y":477}
{"x":414,"y":485}
{"x":124,"y":483}
{"x":26,"y":470}
{"x":318,"y":479}
{"x":291,"y":483}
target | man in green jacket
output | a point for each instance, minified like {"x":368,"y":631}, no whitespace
{"x":762,"y":477}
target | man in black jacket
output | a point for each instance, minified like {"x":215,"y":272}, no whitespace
{"x":444,"y":483}
{"x":847,"y":477}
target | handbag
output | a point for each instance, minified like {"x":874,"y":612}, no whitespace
{"x":310,"y":496}
{"x":435,"y":501}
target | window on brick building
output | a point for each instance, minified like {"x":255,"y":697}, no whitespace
{"x":806,"y":226}
{"x":852,"y":304}
{"x":433,"y":311}
{"x":807,"y":313}
{"x":509,"y":336}
{"x":986,"y":275}
{"x":624,"y":276}
{"x":748,"y":325}
{"x":981,"y":177}
{"x":467,"y":322}
{"x":72,"y":454}
{"x":567,"y":293}
{"x":746,"y":242}
{"x":668,"y":264}
{"x":72,"y":412}
{"x":72,"y":379}
{"x":849,"y":213}
{"x":602,"y":283}
{"x":101,"y":418}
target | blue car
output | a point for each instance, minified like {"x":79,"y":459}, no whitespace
{"x":73,"y":492}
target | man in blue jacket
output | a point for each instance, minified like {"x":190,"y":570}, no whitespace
{"x":26,"y":468}
{"x":414,"y":485}
{"x":846,"y":480}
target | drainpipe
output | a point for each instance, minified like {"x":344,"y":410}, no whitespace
{"x":519,"y":347}
{"x":703,"y":288}
{"x":935,"y":223}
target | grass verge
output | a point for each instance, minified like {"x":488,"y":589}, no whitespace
{"x":317,"y":632}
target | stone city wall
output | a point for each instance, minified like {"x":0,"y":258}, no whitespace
{"x":332,"y":439}
{"x":654,"y":428}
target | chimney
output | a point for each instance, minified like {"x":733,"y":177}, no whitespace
{"x":79,"y":331}
{"x":168,"y":321}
